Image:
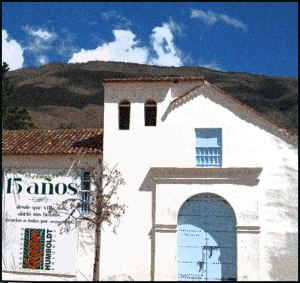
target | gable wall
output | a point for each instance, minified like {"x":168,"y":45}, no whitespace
{"x":246,"y":142}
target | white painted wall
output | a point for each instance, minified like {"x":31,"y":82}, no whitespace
{"x":85,"y":240}
{"x":144,"y":247}
{"x":248,"y":141}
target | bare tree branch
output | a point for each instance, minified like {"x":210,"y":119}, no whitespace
{"x":105,"y":184}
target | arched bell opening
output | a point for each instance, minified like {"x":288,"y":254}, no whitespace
{"x":124,"y":115}
{"x":150,"y":112}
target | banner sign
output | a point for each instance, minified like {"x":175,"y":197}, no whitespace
{"x":31,"y":239}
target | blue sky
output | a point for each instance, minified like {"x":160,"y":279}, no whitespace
{"x":258,"y":38}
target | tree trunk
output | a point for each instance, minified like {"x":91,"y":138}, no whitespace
{"x":96,"y":275}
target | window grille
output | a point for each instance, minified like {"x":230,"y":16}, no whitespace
{"x":124,"y":115}
{"x":85,"y":192}
{"x":208,"y":147}
{"x":150,"y":113}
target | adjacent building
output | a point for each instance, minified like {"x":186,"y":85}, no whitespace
{"x":38,"y":171}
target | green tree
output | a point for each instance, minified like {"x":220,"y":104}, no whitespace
{"x":67,"y":126}
{"x":13,"y":118}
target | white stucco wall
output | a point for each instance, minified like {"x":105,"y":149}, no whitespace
{"x":85,"y":239}
{"x":144,"y":246}
{"x":247,"y":141}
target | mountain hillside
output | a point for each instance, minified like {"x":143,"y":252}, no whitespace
{"x":64,"y":92}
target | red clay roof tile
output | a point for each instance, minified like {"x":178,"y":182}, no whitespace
{"x":38,"y":142}
{"x":188,"y":92}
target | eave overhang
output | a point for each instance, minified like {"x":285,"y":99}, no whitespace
{"x":207,"y":175}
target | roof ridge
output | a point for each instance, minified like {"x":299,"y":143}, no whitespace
{"x":31,"y":130}
{"x":155,"y":79}
{"x":188,"y":92}
{"x":236,"y":100}
{"x":250,"y":109}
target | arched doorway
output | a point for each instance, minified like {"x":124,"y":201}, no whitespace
{"x":206,"y":240}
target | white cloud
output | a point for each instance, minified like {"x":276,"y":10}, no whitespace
{"x":45,"y":35}
{"x":233,"y":22}
{"x":163,"y":45}
{"x":122,"y":49}
{"x":39,"y":42}
{"x":12,"y":52}
{"x":212,"y":65}
{"x":210,"y":18}
{"x":92,"y":23}
{"x":161,"y":52}
{"x":67,"y":45}
{"x":162,"y":41}
{"x":123,"y":23}
{"x":176,"y":28}
{"x":39,"y":39}
{"x":42,"y":60}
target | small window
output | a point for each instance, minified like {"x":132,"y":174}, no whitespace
{"x":209,"y":147}
{"x":124,"y":115}
{"x":85,"y":191}
{"x":150,"y":113}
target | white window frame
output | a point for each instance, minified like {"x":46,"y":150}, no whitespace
{"x":211,"y":155}
{"x":85,"y":194}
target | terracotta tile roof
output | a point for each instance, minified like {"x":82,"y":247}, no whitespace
{"x":252,"y":110}
{"x":188,"y":92}
{"x":234,"y":99}
{"x":155,"y":79}
{"x":37,"y":142}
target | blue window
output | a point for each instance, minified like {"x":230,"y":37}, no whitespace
{"x":85,"y":191}
{"x":209,"y":147}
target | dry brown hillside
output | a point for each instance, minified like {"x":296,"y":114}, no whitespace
{"x":63,"y":92}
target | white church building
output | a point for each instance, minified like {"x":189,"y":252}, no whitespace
{"x":211,"y":187}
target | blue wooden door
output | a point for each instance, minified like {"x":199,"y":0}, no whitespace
{"x":206,"y":240}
